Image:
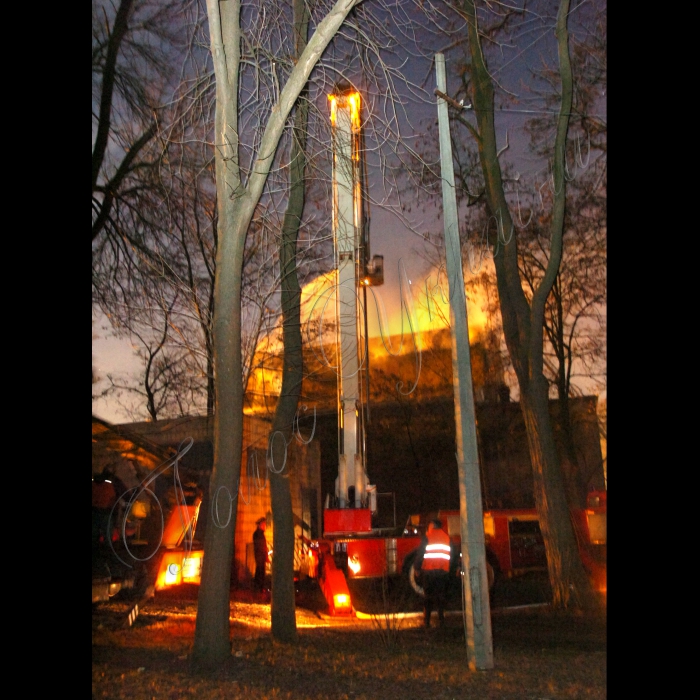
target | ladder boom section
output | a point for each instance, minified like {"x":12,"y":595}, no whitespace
{"x":351,"y":489}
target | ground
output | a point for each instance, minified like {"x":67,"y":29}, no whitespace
{"x":538,"y":654}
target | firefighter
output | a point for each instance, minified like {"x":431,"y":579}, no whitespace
{"x":261,"y":554}
{"x":433,"y":564}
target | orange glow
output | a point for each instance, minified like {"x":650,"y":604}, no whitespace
{"x":340,"y":601}
{"x":334,"y":107}
{"x":597,"y":527}
{"x":335,"y":589}
{"x":180,"y":520}
{"x":601,"y":581}
{"x":354,"y":564}
{"x":192,"y":568}
{"x":317,"y":297}
{"x":353,"y":101}
{"x":178,"y":567}
{"x":170,"y":572}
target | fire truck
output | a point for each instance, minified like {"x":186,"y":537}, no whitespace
{"x":514,"y":547}
{"x":350,"y":548}
{"x":142,"y":566}
{"x":514,"y":543}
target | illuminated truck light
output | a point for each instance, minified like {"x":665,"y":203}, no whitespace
{"x":354,"y":564}
{"x":341,"y":602}
{"x":172,"y":575}
{"x":192,"y":568}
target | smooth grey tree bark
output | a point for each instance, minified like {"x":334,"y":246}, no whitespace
{"x":236,"y":203}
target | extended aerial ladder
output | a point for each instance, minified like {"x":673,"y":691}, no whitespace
{"x":355,"y":498}
{"x":350,"y":548}
{"x":355,"y":272}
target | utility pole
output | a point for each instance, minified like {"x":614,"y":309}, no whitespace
{"x":476,"y":588}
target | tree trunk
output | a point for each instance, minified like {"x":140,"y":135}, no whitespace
{"x":573,"y":471}
{"x":236,"y":205}
{"x":119,"y":29}
{"x":563,"y":561}
{"x":212,"y":629}
{"x":211,"y":644}
{"x":283,"y":604}
{"x":523,"y":321}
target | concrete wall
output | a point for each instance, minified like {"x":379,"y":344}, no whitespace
{"x":304,"y":467}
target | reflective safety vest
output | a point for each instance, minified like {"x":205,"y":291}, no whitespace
{"x":437,"y":551}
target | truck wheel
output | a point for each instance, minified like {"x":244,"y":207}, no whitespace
{"x":408,"y":562}
{"x":408,"y":570}
{"x":414,"y":584}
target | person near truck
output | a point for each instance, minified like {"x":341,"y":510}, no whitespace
{"x":261,"y":554}
{"x":433,"y":564}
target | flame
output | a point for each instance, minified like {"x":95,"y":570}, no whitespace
{"x":428,"y":310}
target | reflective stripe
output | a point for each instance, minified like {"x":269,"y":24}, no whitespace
{"x":437,"y":547}
{"x":437,"y":551}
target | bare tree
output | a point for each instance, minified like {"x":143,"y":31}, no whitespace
{"x":574,"y":324}
{"x":523,"y":317}
{"x":154,"y":255}
{"x":575,"y":318}
{"x":258,"y":85}
{"x":497,"y":87}
{"x":134,"y":47}
{"x":238,"y":197}
{"x":283,"y":603}
{"x":139,"y":49}
{"x":574,"y":351}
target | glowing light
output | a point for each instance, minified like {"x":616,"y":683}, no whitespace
{"x":192,"y":568}
{"x":351,"y":101}
{"x":597,"y":527}
{"x":334,"y":107}
{"x":133,"y":614}
{"x":355,"y":102}
{"x":171,"y":574}
{"x":341,"y":600}
{"x":354,"y":564}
